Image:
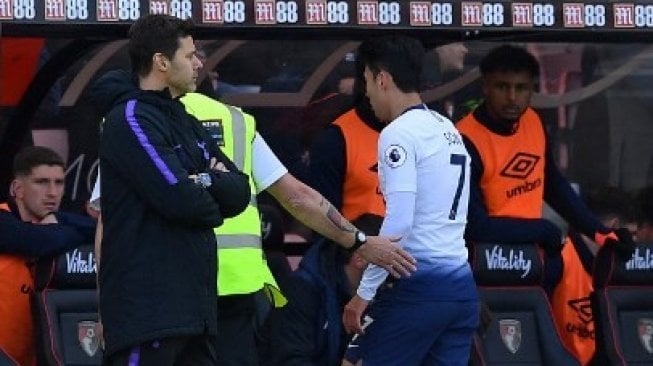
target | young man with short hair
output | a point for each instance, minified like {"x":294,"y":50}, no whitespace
{"x":513,"y":173}
{"x":30,"y":227}
{"x":428,"y":318}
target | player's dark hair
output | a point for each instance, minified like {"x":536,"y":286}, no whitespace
{"x":398,"y":55}
{"x":33,"y":156}
{"x":509,"y":58}
{"x":155,"y":33}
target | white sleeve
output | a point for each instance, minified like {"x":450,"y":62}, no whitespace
{"x":400,"y":208}
{"x":95,"y":201}
{"x":398,"y":179}
{"x":397,"y":161}
{"x":266,"y":167}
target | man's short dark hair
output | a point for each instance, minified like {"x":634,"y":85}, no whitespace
{"x":155,"y":33}
{"x":400,"y":56}
{"x":509,"y":58}
{"x":33,"y":156}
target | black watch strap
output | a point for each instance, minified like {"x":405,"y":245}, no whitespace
{"x":359,"y":239}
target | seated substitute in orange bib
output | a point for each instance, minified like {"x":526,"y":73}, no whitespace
{"x":344,"y":160}
{"x":513,"y":174}
{"x":30,"y":227}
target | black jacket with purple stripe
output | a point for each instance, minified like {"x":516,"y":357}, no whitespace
{"x":158,"y":272}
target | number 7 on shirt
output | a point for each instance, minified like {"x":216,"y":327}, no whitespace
{"x":457,"y":159}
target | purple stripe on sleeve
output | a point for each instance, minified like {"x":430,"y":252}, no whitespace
{"x":145,"y":143}
{"x":134,"y":357}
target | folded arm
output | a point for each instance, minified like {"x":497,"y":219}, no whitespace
{"x":34,"y":240}
{"x":134,"y":146}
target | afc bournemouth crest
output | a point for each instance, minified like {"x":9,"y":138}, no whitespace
{"x":87,"y":333}
{"x":510,"y":330}
{"x":645,"y":331}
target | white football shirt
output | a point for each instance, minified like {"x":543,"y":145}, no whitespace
{"x":421,"y":152}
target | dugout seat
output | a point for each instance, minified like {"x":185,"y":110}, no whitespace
{"x":6,"y":360}
{"x":522,"y":331}
{"x":65,"y":309}
{"x":623,"y":307}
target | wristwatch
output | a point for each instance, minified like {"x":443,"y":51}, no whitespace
{"x":203,"y":179}
{"x":360,"y":238}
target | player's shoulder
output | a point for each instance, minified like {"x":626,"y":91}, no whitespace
{"x":408,"y":127}
{"x":442,"y":122}
{"x":439,"y":117}
{"x":399,"y":129}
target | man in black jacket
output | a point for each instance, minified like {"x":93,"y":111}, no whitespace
{"x":165,"y":187}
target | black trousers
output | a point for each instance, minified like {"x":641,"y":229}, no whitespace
{"x":239,"y":317}
{"x":174,"y":351}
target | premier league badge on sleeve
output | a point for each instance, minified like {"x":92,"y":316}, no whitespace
{"x":394,"y":156}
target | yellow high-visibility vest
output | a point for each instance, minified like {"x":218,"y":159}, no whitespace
{"x":242,"y":268}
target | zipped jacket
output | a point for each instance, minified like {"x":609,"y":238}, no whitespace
{"x":158,"y":269}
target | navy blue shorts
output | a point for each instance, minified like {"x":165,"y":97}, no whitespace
{"x":403,"y":330}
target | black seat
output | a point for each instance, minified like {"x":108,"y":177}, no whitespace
{"x":623,"y":307}
{"x":522,"y":331}
{"x":65,"y":310}
{"x":6,"y":360}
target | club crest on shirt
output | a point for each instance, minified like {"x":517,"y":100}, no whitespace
{"x":394,"y":156}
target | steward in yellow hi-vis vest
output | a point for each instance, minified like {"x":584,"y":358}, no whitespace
{"x":242,"y":268}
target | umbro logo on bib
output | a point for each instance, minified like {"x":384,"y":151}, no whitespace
{"x":520,"y":166}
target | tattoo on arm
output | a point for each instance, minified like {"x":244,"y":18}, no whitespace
{"x":336,"y":218}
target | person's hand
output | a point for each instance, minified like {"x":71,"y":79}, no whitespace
{"x":49,"y":219}
{"x":384,"y":252}
{"x":352,"y":314}
{"x":621,"y":239}
{"x":230,"y":189}
{"x":217,"y":166}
